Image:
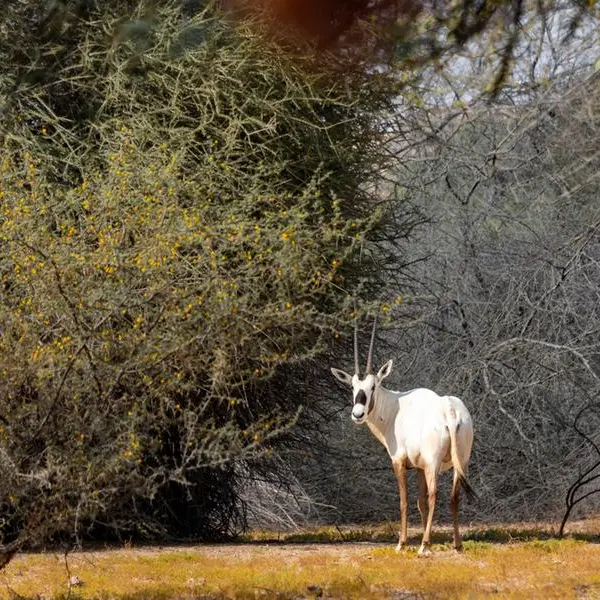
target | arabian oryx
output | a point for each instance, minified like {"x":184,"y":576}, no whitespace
{"x":420,"y":430}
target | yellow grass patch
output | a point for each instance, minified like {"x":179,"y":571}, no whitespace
{"x":499,"y":562}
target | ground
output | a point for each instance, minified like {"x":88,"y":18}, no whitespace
{"x":522,"y":561}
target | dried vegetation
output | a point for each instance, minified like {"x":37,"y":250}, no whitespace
{"x":515,"y":562}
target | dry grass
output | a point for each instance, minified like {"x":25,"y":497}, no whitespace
{"x":515,"y":562}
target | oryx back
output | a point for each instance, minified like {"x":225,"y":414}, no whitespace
{"x":423,"y":426}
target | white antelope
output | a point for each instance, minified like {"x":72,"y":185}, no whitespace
{"x":420,"y":430}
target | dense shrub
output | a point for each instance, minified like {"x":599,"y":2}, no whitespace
{"x":182,"y":213}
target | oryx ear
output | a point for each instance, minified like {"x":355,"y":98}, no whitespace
{"x":385,"y":370}
{"x":342,"y":376}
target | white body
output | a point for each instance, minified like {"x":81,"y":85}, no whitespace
{"x":413,"y":426}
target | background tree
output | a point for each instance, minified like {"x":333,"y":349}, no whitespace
{"x":500,"y":297}
{"x":485,"y":176}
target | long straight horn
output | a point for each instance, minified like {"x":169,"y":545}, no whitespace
{"x":356,"y":367}
{"x":370,"y":355}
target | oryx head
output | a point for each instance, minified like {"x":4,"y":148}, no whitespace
{"x":364,"y":388}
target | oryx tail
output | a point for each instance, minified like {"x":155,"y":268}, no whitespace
{"x":460,"y":478}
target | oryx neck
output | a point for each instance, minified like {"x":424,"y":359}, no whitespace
{"x":384,"y":412}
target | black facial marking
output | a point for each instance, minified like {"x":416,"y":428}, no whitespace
{"x":361,"y":398}
{"x":372,"y":405}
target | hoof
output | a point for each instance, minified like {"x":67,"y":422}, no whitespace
{"x":424,"y":552}
{"x":458,"y":549}
{"x":401,"y":546}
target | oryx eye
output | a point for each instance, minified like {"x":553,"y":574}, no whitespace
{"x":373,"y":388}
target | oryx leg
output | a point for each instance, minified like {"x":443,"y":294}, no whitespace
{"x":454,"y":502}
{"x":400,"y":471}
{"x":422,"y":503}
{"x":431,"y":479}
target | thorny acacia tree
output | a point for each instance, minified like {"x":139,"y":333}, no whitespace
{"x":509,"y":293}
{"x":181,"y":207}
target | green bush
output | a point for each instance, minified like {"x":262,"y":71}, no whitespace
{"x":184,"y":211}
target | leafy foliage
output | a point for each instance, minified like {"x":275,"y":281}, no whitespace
{"x":181,"y":214}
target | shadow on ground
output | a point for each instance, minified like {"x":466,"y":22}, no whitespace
{"x":388,"y":534}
